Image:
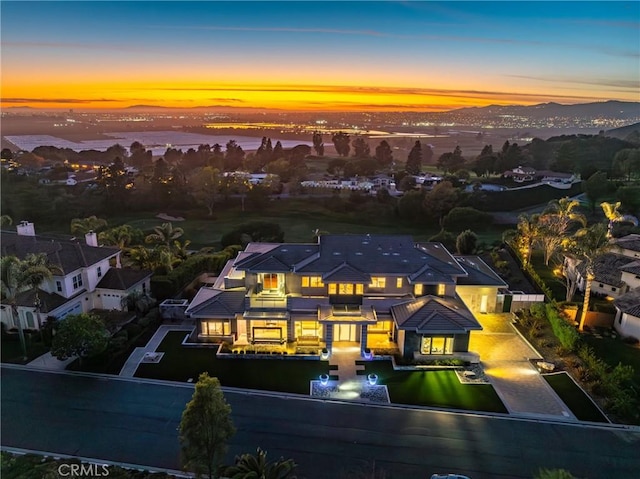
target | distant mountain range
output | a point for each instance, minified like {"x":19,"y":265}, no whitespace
{"x":610,"y":109}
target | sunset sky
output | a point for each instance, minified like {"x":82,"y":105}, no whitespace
{"x":428,"y":56}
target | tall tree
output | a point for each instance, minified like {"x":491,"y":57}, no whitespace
{"x":595,"y":188}
{"x":278,"y":151}
{"x":205,"y":186}
{"x":414,"y":160}
{"x":612,"y":214}
{"x":440,"y":200}
{"x":234,"y":156}
{"x":627,"y":162}
{"x":555,"y":222}
{"x":19,"y":275}
{"x":120,"y":236}
{"x":115,"y":183}
{"x":451,"y":161}
{"x":318,"y":144}
{"x":82,"y":335}
{"x":248,"y":466}
{"x":341,"y":142}
{"x":384,"y":154}
{"x":205,"y":428}
{"x":466,"y":242}
{"x":589,"y":244}
{"x":164,"y":235}
{"x":361,"y":148}
{"x":81,"y":226}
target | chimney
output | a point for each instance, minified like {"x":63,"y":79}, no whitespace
{"x":26,"y":229}
{"x":91,"y":238}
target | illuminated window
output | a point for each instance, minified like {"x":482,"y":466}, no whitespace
{"x":316,"y":282}
{"x":441,"y":290}
{"x":399,"y":283}
{"x":359,"y":289}
{"x":437,"y":345}
{"x":305,"y":281}
{"x":333,"y":288}
{"x":377,"y":282}
{"x":216,"y":328}
{"x":270,"y":281}
{"x":418,"y":289}
{"x":345,"y":288}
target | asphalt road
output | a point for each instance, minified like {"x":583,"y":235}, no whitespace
{"x":135,"y":422}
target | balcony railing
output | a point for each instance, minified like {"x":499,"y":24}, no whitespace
{"x":257,"y":302}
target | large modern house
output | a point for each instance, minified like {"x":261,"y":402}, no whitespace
{"x":90,"y":277}
{"x":376,"y":290}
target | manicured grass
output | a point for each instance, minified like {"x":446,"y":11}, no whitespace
{"x":435,"y":388}
{"x":180,"y":363}
{"x":614,"y":351}
{"x":574,"y":397}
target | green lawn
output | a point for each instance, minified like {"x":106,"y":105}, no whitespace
{"x":614,"y":351}
{"x":574,"y":397}
{"x":11,"y":351}
{"x":180,"y":363}
{"x":555,"y":284}
{"x":434,"y":388}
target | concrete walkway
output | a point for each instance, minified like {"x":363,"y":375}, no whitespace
{"x":48,"y":362}
{"x":345,"y":355}
{"x":130,"y":367}
{"x":505,"y":357}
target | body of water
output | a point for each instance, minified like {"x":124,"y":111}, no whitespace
{"x":156,"y":141}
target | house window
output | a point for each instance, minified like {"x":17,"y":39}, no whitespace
{"x":77,"y":281}
{"x":216,"y":328}
{"x":437,"y":345}
{"x":418,"y":289}
{"x":378,"y":282}
{"x":359,"y":289}
{"x":144,"y":288}
{"x":270,"y":281}
{"x":399,"y":283}
{"x":345,"y":288}
{"x":312,"y":282}
{"x":31,"y":324}
{"x":99,"y":272}
{"x":59,"y":286}
{"x":333,"y":288}
{"x":441,"y":289}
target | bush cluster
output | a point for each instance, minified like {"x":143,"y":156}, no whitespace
{"x":566,"y":333}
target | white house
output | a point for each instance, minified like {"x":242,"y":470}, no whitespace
{"x":627,"y":321}
{"x":90,"y":277}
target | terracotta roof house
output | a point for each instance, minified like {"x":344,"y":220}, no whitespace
{"x":366,"y":289}
{"x":627,"y":321}
{"x":90,"y":277}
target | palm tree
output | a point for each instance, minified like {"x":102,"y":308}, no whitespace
{"x":19,"y":275}
{"x":248,"y":466}
{"x":555,"y":222}
{"x":120,"y":236}
{"x":523,"y":238}
{"x":589,"y":244}
{"x":165,"y":235}
{"x":81,"y":226}
{"x":613,"y":215}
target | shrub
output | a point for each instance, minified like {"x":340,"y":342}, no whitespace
{"x":630,"y":340}
{"x":566,"y":334}
{"x":462,"y":218}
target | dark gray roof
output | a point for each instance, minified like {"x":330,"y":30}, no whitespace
{"x":608,"y":268}
{"x":48,"y":301}
{"x":122,"y":278}
{"x":69,"y":255}
{"x":629,"y":303}
{"x":480,"y":274}
{"x":222,"y":304}
{"x":631,"y":242}
{"x":367,"y":254}
{"x":347,"y":273}
{"x":633,"y":267}
{"x":433,"y":315}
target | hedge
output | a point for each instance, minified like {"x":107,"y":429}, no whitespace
{"x":167,"y":286}
{"x":566,"y":333}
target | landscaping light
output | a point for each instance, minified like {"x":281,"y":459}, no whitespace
{"x":373,"y":379}
{"x":324,"y":379}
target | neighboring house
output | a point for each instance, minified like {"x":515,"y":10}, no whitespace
{"x":616,"y":273}
{"x":521,"y":174}
{"x":629,"y":245}
{"x":90,"y":278}
{"x":374,"y":290}
{"x":627,"y":321}
{"x":556,"y":177}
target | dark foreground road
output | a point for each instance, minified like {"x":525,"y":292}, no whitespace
{"x":135,"y":422}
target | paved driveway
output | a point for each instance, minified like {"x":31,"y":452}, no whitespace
{"x":505,"y":357}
